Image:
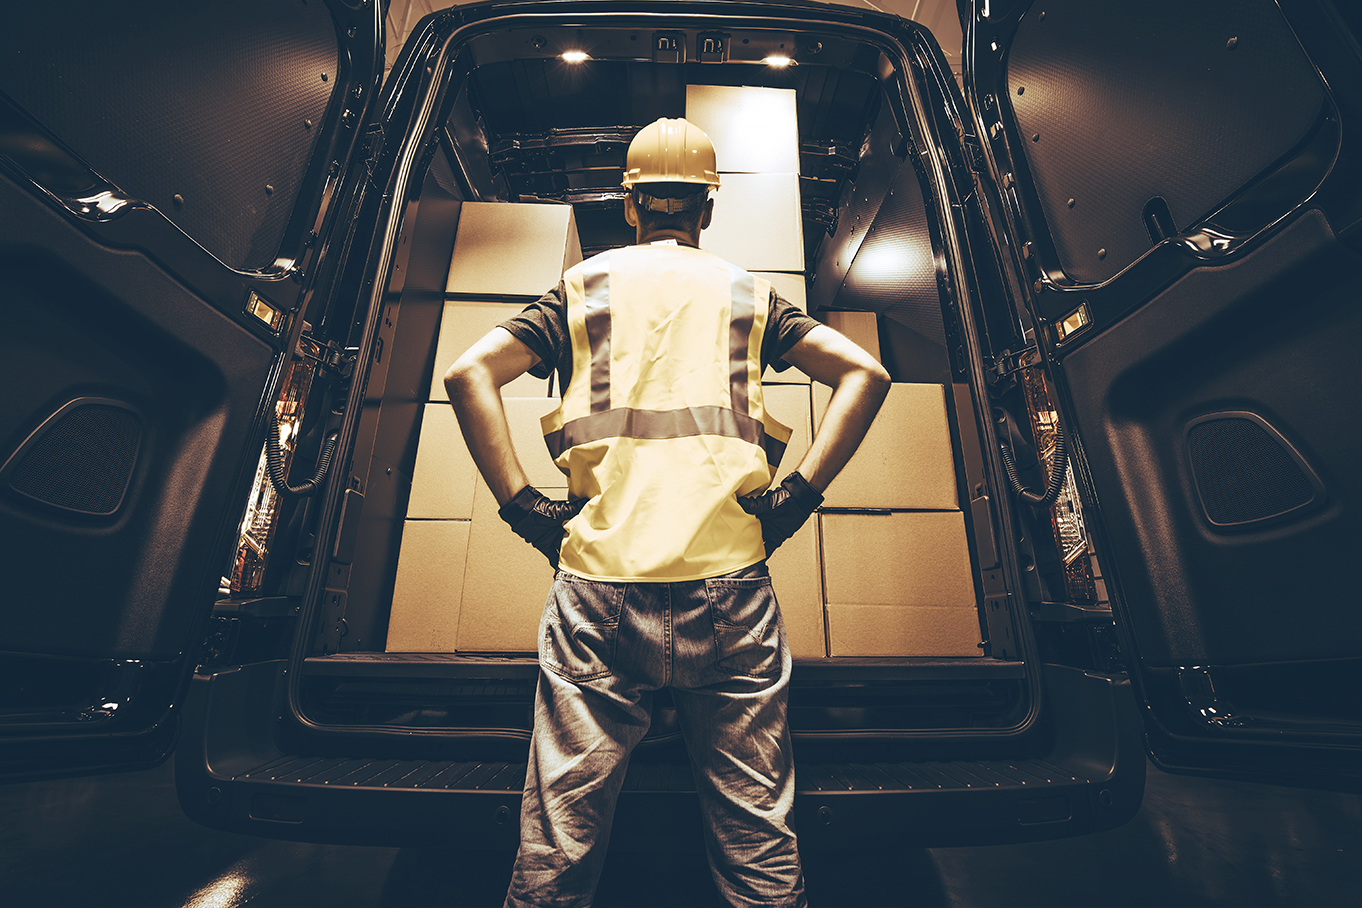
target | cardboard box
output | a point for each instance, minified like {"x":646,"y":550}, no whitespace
{"x":792,"y":287}
{"x":861,"y":327}
{"x":429,"y":587}
{"x":757,"y":222}
{"x":443,"y":480}
{"x":791,"y":405}
{"x":899,"y":585}
{"x":512,"y":249}
{"x":505,"y":585}
{"x":798,"y":582}
{"x":902,"y":631}
{"x":754,"y":130}
{"x":464,"y":324}
{"x":905,"y":461}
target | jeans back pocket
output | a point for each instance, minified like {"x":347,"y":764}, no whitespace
{"x":581,"y":627}
{"x":746,"y":625}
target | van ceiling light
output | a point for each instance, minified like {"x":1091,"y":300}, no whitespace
{"x":575,"y":56}
{"x":778,"y":60}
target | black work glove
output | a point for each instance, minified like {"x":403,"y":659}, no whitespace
{"x":539,"y":520}
{"x":782,"y":510}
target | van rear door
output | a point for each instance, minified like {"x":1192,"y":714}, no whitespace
{"x":166,"y":181}
{"x":1179,"y":184}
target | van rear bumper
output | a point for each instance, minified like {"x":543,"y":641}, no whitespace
{"x":230,"y":775}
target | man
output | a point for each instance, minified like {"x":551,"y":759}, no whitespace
{"x":661,"y":547}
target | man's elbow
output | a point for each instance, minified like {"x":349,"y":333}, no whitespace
{"x":877,"y":380}
{"x":459,"y":379}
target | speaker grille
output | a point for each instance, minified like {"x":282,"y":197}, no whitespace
{"x":81,"y":459}
{"x":1245,"y":472}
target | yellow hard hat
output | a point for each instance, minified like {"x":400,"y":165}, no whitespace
{"x":670,"y":151}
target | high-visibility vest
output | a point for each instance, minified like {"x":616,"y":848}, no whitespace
{"x":663,"y":424}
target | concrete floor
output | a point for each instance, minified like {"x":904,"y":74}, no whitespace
{"x":122,"y":840}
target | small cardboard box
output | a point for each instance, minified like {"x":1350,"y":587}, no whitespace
{"x":757,"y":222}
{"x":798,"y":583}
{"x":505,"y":585}
{"x":429,"y":587}
{"x":899,"y":585}
{"x":790,"y":404}
{"x":512,"y":249}
{"x":443,"y":479}
{"x":754,"y":130}
{"x":905,"y":461}
{"x":464,"y":324}
{"x":860,"y":327}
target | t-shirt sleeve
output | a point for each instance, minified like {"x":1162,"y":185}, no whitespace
{"x":785,"y":326}
{"x":542,"y":326}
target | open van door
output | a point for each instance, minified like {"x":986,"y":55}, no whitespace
{"x":168,"y":180}
{"x":1178,"y":186}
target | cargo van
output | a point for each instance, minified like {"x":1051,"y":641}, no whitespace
{"x":1106,"y":511}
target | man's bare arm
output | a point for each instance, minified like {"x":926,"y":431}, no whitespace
{"x":859,"y":385}
{"x":474,"y":387}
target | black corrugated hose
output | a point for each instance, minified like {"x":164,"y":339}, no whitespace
{"x":1057,"y":469}
{"x":274,"y":462}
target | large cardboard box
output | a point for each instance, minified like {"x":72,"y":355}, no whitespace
{"x":505,"y":585}
{"x":791,"y":405}
{"x":899,"y":585}
{"x":754,"y":130}
{"x":798,"y":582}
{"x":512,"y":249}
{"x":791,"y":288}
{"x":757,"y":222}
{"x":464,"y":324}
{"x":905,"y":461}
{"x":443,"y":479}
{"x":860,"y":327}
{"x":429,"y":587}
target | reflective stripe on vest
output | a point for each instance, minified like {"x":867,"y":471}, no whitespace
{"x":663,"y":422}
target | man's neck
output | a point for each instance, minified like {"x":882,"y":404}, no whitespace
{"x":683,"y":237}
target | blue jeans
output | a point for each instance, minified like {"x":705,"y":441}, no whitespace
{"x":719,"y":644}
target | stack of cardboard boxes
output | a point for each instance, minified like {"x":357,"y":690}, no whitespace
{"x":884,"y":570}
{"x":465,"y":582}
{"x":758,"y":225}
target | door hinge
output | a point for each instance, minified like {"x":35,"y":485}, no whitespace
{"x":373,"y":146}
{"x":330,"y":357}
{"x":974,"y":152}
{"x":1007,"y":363}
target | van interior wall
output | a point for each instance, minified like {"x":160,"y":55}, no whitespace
{"x":394,"y":414}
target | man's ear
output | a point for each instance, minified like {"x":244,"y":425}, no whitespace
{"x":709,"y":214}
{"x":630,"y":212}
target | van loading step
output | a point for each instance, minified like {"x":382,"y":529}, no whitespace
{"x":820,"y":778}
{"x":524,"y":665}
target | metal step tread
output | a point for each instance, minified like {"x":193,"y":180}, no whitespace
{"x":526,"y":665}
{"x":821,"y":778}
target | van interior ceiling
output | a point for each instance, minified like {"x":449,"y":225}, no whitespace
{"x":517,"y":137}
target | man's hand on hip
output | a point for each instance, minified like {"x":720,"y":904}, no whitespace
{"x":540,"y":520}
{"x":782,"y":510}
